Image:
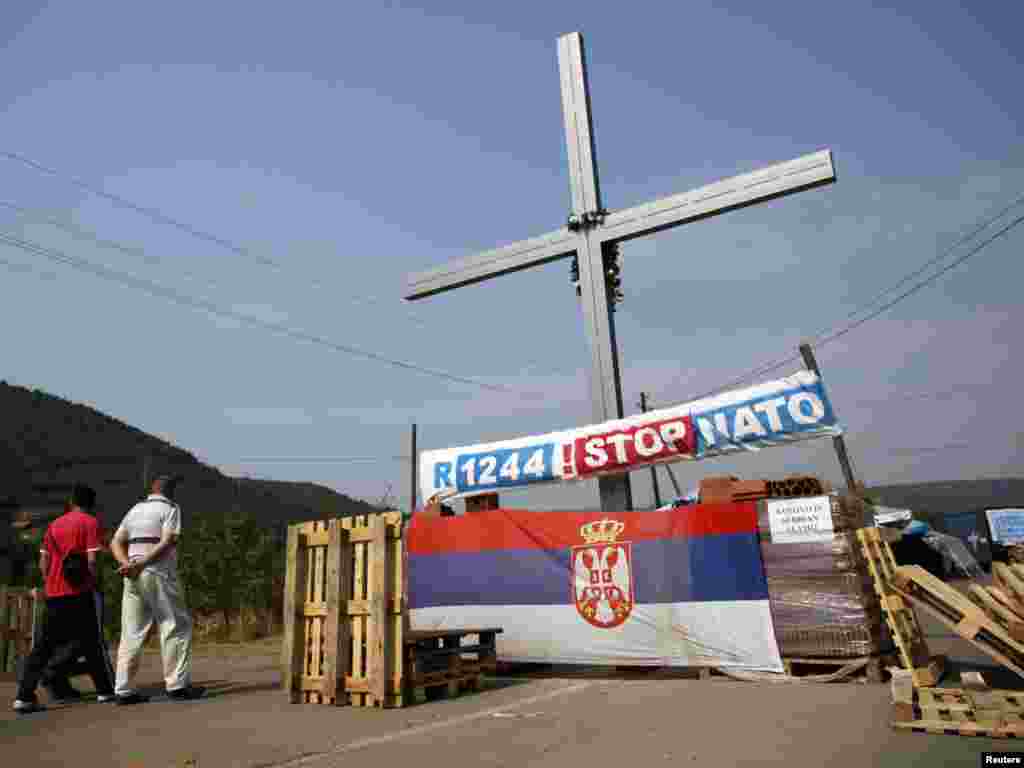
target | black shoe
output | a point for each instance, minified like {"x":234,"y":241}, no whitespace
{"x":131,"y":698}
{"x":27,"y":706}
{"x":187,"y":694}
{"x":62,"y":693}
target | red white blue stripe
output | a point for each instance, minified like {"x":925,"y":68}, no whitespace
{"x":696,"y":575}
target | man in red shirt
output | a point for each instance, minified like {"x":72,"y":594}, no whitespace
{"x":68,"y":561}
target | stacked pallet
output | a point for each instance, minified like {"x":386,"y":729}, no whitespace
{"x":347,"y":639}
{"x":822,"y":598}
{"x":975,"y":711}
{"x":440,"y":662}
{"x":990,"y":618}
{"x":922,"y":669}
{"x":344,"y":614}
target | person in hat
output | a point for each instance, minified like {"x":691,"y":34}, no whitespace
{"x":67,"y":560}
{"x":145,"y":546}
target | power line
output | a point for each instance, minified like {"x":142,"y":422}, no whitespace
{"x":182,"y":226}
{"x":821,"y":339}
{"x":922,"y":284}
{"x":152,"y":213}
{"x":962,"y":240}
{"x":318,"y":459}
{"x":81,"y":232}
{"x":155,"y":289}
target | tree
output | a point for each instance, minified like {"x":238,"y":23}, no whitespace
{"x":229,"y":563}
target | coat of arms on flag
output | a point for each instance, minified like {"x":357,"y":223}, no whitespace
{"x":602,"y":579}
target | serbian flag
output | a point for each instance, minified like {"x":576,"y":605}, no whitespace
{"x":681,"y":587}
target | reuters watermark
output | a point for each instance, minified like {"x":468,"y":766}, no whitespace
{"x":1002,"y":758}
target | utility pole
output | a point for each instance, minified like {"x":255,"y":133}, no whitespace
{"x":672,"y":477}
{"x":654,"y":475}
{"x":838,"y":443}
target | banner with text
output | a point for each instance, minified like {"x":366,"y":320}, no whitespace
{"x":786,"y":410}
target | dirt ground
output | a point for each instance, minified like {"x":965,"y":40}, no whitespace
{"x":247,"y":721}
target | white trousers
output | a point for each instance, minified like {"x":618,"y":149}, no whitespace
{"x":154,"y":597}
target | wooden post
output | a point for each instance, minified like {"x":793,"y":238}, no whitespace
{"x":400,"y":613}
{"x":38,"y":606}
{"x":413,"y":472}
{"x":5,"y":624}
{"x":377,"y":626}
{"x":293,"y":650}
{"x":672,"y":477}
{"x":338,"y":592}
{"x":840,"y":445}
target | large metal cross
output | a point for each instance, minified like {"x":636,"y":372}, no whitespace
{"x":593,"y":234}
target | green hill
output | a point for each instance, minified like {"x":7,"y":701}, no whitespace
{"x":47,"y":443}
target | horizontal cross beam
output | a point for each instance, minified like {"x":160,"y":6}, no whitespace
{"x":484,"y":266}
{"x":778,"y":180}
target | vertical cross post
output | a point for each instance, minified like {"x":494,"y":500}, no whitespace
{"x":587,"y":212}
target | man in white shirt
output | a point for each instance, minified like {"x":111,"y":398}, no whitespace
{"x":145,"y":546}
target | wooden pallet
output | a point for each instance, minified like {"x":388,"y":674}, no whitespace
{"x":997,"y":611}
{"x":1009,"y":580}
{"x":347,"y":639}
{"x":1006,"y":601}
{"x":960,"y":711}
{"x":442,"y":662}
{"x":955,"y":611}
{"x":344,"y":612}
{"x":906,"y":632}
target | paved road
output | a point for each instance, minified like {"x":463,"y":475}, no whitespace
{"x":247,"y":722}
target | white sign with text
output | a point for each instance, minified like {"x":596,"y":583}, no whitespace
{"x":797,"y":521}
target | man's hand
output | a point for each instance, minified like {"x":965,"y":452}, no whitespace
{"x":130,"y":570}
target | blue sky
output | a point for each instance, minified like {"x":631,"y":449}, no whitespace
{"x":352,"y":145}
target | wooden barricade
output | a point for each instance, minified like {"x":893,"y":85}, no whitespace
{"x":20,"y":621}
{"x":436,"y":662}
{"x":344,"y":617}
{"x":955,"y":611}
{"x":994,"y":714}
{"x":906,"y":632}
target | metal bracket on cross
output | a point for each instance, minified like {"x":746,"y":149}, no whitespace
{"x":586,"y":220}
